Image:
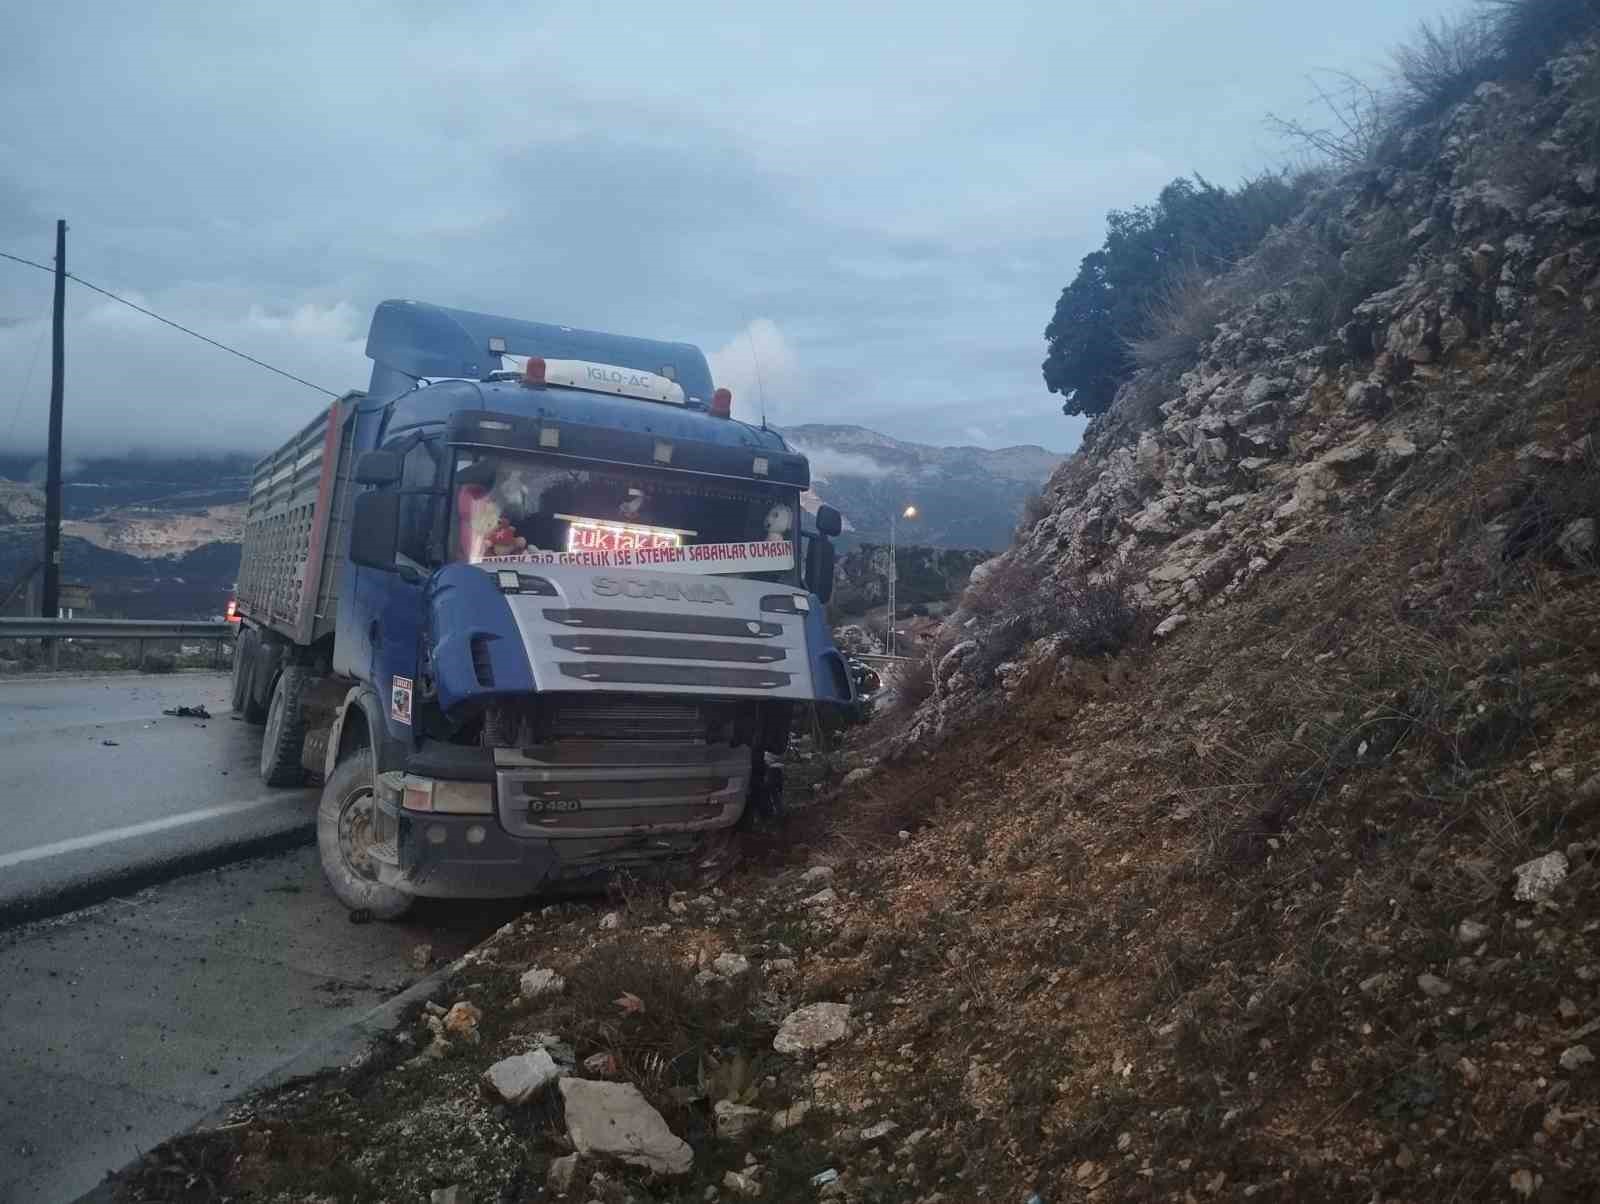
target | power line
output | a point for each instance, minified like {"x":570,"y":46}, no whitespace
{"x":175,"y":325}
{"x":33,"y":362}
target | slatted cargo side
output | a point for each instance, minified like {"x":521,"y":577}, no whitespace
{"x":294,"y":522}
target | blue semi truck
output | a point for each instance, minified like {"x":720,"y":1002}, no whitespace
{"x":535,"y":608}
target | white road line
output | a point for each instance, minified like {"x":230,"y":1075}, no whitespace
{"x":112,"y":835}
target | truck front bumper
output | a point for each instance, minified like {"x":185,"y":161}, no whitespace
{"x":438,"y":856}
{"x":445,"y":855}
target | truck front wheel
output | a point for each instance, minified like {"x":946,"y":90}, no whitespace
{"x":345,"y":836}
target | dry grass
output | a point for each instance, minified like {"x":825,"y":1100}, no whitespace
{"x":1184,"y":315}
{"x":913,"y":685}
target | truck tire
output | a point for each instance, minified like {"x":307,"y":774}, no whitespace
{"x":285,"y":731}
{"x":244,"y":659}
{"x":254,"y":712}
{"x":344,"y":834}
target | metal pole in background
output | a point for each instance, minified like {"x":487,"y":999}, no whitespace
{"x":50,"y":602}
{"x":889,"y":642}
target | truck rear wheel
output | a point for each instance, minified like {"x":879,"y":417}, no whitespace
{"x":241,"y":674}
{"x":246,"y":651}
{"x":345,"y":836}
{"x":254,"y":712}
{"x":285,"y":731}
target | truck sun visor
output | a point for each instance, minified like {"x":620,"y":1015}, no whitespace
{"x":484,"y":428}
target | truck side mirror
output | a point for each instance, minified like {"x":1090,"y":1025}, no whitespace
{"x":829,"y":521}
{"x":378,"y":468}
{"x":819,"y":567}
{"x":375,"y":529}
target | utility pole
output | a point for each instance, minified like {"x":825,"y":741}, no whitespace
{"x":50,"y":606}
{"x":888,"y":636}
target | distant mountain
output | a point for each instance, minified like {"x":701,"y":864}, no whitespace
{"x":154,"y":538}
{"x":966,"y":497}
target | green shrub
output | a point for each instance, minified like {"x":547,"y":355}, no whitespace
{"x":1193,"y":226}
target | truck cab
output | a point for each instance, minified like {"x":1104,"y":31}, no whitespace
{"x":562,"y":607}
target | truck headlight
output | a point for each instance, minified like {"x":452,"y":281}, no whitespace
{"x":447,"y":798}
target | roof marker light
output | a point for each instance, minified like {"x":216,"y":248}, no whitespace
{"x":533,"y":372}
{"x":722,"y":404}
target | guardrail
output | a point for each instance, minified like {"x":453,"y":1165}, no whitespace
{"x":114,"y":629}
{"x":135,"y":631}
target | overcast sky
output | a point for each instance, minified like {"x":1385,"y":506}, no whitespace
{"x":876,"y":203}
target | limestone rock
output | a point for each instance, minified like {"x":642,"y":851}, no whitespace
{"x":1575,"y":1056}
{"x":539,"y":981}
{"x":813,"y":1027}
{"x":1170,"y":624}
{"x":1470,"y":932}
{"x":735,"y":1120}
{"x":731,"y":965}
{"x":461,"y":1021}
{"x":614,"y":1120}
{"x":878,"y":1131}
{"x":788,"y":1118}
{"x":519,"y":1079}
{"x":562,"y":1174}
{"x":1538,"y":879}
{"x":1577,"y":542}
{"x":1433,"y":986}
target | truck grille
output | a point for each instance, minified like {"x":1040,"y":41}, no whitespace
{"x":482,"y":666}
{"x":628,"y":719}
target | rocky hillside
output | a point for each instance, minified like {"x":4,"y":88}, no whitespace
{"x":966,"y":497}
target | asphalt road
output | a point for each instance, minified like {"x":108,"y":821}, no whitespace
{"x":154,"y":993}
{"x":101,"y":793}
{"x":126,"y":1023}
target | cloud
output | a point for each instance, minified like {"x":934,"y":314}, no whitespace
{"x":826,"y":463}
{"x":900,"y":200}
{"x":758,"y":363}
{"x":134,"y":385}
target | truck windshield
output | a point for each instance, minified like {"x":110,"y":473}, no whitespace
{"x":509,"y":504}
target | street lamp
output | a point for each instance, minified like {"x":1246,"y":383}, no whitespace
{"x":894,"y":574}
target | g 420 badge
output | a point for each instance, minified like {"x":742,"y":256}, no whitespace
{"x":400,"y":700}
{"x":552,"y":806}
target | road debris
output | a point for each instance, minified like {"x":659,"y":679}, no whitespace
{"x":186,"y":712}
